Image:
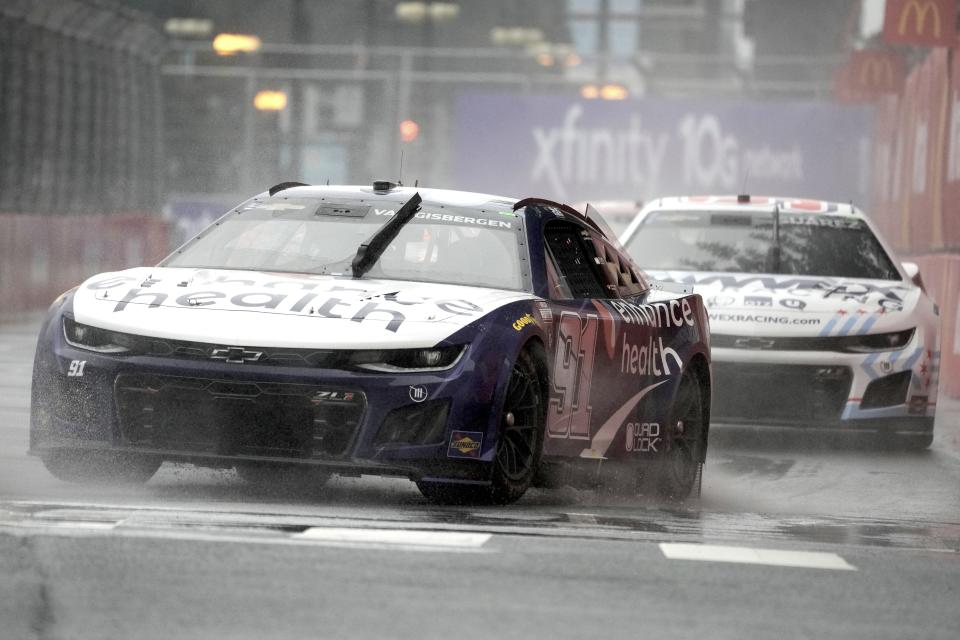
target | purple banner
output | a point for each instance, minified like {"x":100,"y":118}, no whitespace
{"x":571,"y":150}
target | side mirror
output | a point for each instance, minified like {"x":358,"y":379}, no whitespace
{"x":913,"y":272}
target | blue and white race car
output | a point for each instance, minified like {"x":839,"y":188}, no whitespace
{"x":472,"y":343}
{"x":814,"y":323}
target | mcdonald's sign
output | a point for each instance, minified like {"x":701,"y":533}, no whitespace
{"x":925,"y":22}
{"x":876,"y":72}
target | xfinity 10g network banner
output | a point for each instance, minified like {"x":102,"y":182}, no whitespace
{"x":570,"y":149}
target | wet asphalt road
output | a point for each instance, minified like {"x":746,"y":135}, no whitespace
{"x":834,"y":541}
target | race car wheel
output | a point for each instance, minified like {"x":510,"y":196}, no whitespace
{"x":519,"y":443}
{"x":95,"y":467}
{"x":909,"y":441}
{"x":280,"y":477}
{"x":676,"y":474}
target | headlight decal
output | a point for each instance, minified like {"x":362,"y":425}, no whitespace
{"x":409,"y":360}
{"x":84,"y":336}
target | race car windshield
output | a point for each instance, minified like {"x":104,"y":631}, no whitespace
{"x":810,"y":245}
{"x":306,"y":235}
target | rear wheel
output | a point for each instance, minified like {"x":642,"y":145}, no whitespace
{"x":519,"y":443}
{"x":920,"y":441}
{"x":679,"y":469}
{"x":97,"y":467}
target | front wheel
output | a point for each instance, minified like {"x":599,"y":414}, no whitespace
{"x":97,"y":467}
{"x":519,"y":443}
{"x":679,"y":469}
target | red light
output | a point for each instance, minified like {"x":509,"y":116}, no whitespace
{"x":409,"y":130}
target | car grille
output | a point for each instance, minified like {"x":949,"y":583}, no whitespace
{"x":847,"y":344}
{"x":229,"y":417}
{"x":779,"y":393}
{"x":276,"y":356}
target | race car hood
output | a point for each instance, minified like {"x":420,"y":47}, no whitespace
{"x":775,"y":305}
{"x":248,"y":308}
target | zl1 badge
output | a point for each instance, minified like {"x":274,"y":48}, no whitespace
{"x":465,"y":444}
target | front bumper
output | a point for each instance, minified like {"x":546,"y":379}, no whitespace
{"x":884,"y":391}
{"x":220,"y":414}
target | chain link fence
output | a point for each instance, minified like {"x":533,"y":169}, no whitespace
{"x":80,"y":108}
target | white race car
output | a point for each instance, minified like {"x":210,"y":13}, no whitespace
{"x":813,"y":322}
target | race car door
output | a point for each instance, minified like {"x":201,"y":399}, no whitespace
{"x":586,"y":387}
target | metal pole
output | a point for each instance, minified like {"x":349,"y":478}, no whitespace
{"x":403,"y":104}
{"x":249,"y":131}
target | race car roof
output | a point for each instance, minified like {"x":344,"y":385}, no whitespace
{"x":739,"y":203}
{"x":441,"y":197}
{"x":479,"y":203}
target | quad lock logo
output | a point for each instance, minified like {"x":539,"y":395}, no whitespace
{"x":643,"y":436}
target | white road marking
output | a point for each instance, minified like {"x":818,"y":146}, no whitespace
{"x":396,"y":537}
{"x":582,"y":518}
{"x":193,"y":535}
{"x":70,"y":525}
{"x":747,"y":555}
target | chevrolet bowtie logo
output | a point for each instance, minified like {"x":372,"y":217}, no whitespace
{"x":753,"y":343}
{"x":235,"y":355}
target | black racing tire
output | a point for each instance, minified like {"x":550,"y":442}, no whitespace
{"x":519,"y":442}
{"x":920,"y":441}
{"x":679,"y":469}
{"x":281,"y":477}
{"x":96,"y":467}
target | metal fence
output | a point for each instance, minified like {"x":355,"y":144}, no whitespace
{"x":80,"y":108}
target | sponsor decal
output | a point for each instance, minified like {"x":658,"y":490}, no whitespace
{"x":333,"y":397}
{"x":418,"y":393}
{"x":876,"y":365}
{"x":721,"y":301}
{"x":797,"y":286}
{"x":795,"y":304}
{"x":545,"y":314}
{"x":465,"y":444}
{"x":834,"y":222}
{"x":607,"y":432}
{"x":761,"y":318}
{"x":456,"y":219}
{"x":757,"y":301}
{"x":644,"y":360}
{"x":922,"y":22}
{"x":523,"y":321}
{"x":325,"y":304}
{"x":667,"y":314}
{"x":643,"y":437}
{"x":918,"y":405}
{"x":561,"y":153}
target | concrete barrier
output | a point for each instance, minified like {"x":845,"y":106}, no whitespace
{"x":43,"y":255}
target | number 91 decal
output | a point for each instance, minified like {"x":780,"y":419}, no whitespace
{"x":75,"y":370}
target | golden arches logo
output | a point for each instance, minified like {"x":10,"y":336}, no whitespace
{"x":920,"y":10}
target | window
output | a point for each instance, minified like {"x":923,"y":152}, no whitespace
{"x":575,"y":262}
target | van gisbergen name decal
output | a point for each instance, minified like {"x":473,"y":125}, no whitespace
{"x":449,"y":217}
